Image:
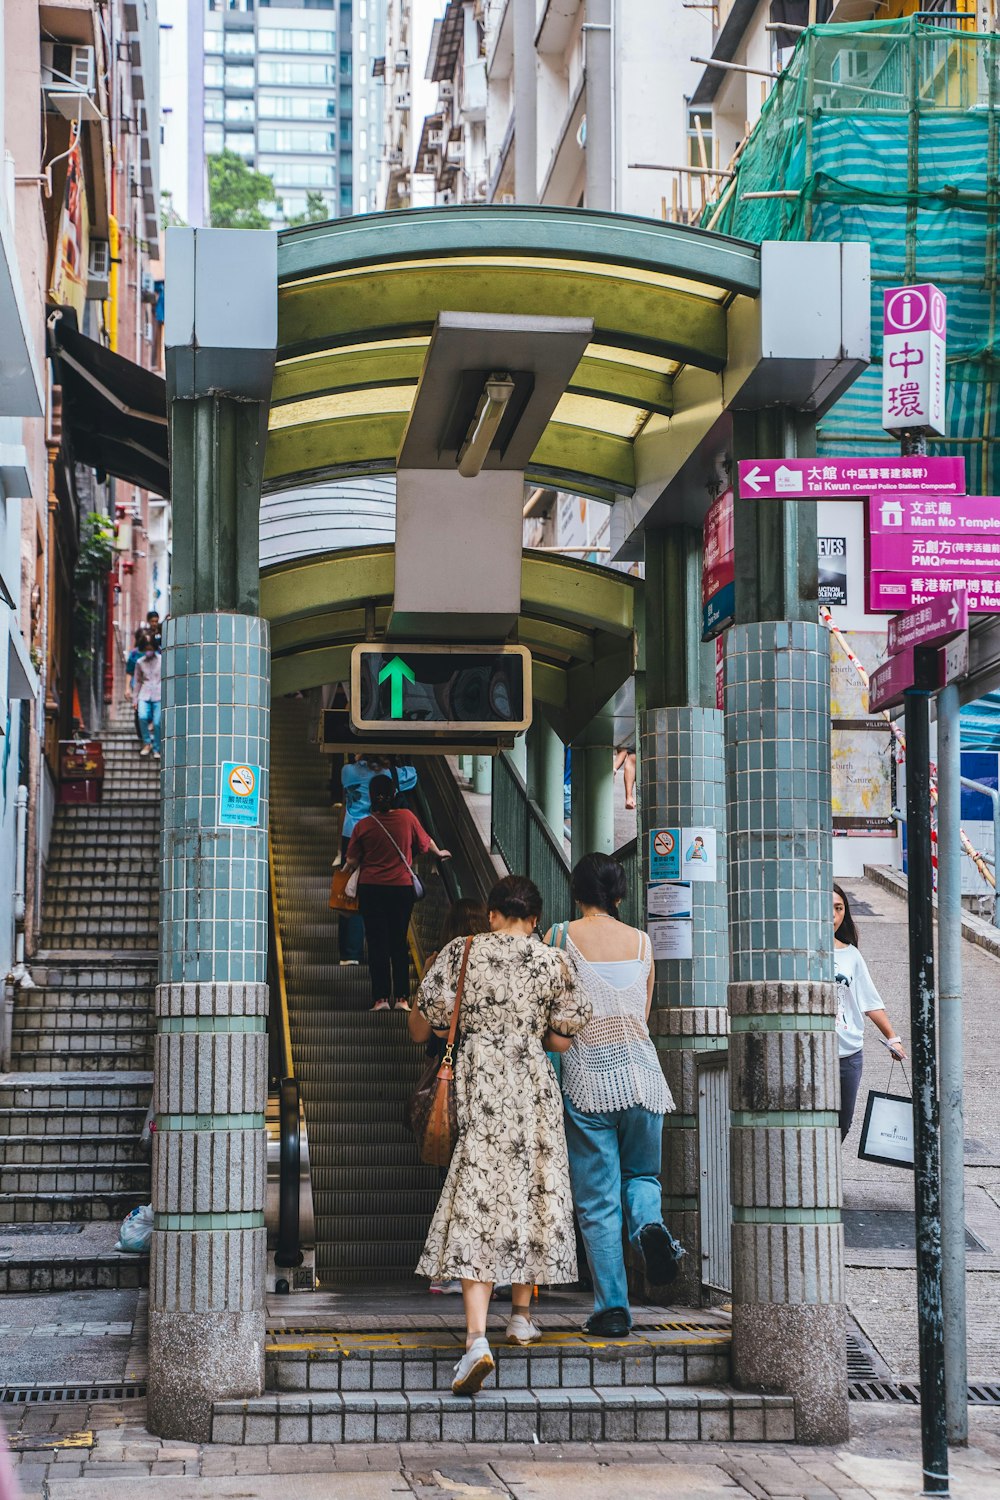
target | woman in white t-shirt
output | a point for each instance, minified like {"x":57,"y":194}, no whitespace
{"x":857,"y":997}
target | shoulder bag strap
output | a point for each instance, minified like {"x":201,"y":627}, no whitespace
{"x":448,"y":1059}
{"x":398,"y":850}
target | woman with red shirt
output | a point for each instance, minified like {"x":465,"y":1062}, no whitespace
{"x":384,"y":846}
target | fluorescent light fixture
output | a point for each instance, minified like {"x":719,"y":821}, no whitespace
{"x":483,"y":429}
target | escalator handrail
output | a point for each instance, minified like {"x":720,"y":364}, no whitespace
{"x":288,"y":1251}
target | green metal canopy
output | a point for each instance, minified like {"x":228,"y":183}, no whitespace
{"x":578,"y":620}
{"x":358,"y":299}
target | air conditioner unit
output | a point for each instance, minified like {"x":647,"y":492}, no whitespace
{"x":402,"y":101}
{"x":446,"y":89}
{"x":99,"y":271}
{"x":68,"y":80}
{"x":456,"y":151}
{"x":435,"y":138}
{"x":395,"y":156}
{"x":148,"y":287}
{"x":402,"y":60}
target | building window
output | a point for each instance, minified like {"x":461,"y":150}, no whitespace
{"x":213,"y":74}
{"x":239,"y":77}
{"x":213,"y":41}
{"x":213,"y":107}
{"x":362,"y":140}
{"x":363,"y":107}
{"x":315,"y":74}
{"x":287,"y":40}
{"x":363,"y":204}
{"x":700,"y":119}
{"x":299,"y":173}
{"x":298,"y":140}
{"x":213,"y":140}
{"x":240,"y":141}
{"x":239,"y":111}
{"x":301,"y":107}
{"x":239,"y":43}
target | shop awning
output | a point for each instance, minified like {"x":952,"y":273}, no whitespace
{"x":114,"y":410}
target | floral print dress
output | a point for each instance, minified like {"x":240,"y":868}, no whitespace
{"x":505,"y":1211}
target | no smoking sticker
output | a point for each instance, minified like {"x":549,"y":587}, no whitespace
{"x":664,"y":853}
{"x":239,"y":795}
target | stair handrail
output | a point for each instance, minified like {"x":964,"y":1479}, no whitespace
{"x":288,"y":1251}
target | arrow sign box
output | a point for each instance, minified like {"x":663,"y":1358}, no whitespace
{"x":833,"y":478}
{"x":440,"y":690}
{"x":890,"y":681}
{"x":936,"y":622}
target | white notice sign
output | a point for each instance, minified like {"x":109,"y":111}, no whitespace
{"x":668,"y":898}
{"x":673,"y":939}
{"x":698,"y":854}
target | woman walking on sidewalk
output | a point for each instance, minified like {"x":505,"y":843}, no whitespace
{"x":857,"y":997}
{"x":384,"y":846}
{"x":615,"y":1096}
{"x":505,"y":1212}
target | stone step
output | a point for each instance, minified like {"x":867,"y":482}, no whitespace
{"x":650,"y":1413}
{"x":79,"y":1121}
{"x":104,"y":1020}
{"x":51,"y":1149}
{"x":50,"y":972}
{"x":115,"y":1270}
{"x":98,"y":937}
{"x":107,"y":1059}
{"x":426,"y":1361}
{"x":50,"y":1090}
{"x":30,"y":1208}
{"x":80,"y":1177}
{"x":103,"y":998}
{"x":39,"y":1040}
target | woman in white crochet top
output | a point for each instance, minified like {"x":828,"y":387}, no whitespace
{"x":615,"y":1096}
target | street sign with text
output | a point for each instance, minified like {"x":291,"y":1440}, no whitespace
{"x":890,"y":681}
{"x":934,"y":623}
{"x":844,"y":478}
{"x":914,"y":320}
{"x":440,"y":690}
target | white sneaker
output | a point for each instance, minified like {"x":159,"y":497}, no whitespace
{"x":472,"y":1369}
{"x":521,"y":1330}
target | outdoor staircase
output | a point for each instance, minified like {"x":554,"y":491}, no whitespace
{"x":371,"y":1195}
{"x":668,"y":1382}
{"x":73,"y":1104}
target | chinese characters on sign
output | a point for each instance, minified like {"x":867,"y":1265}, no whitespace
{"x":718,"y":586}
{"x":832,"y":478}
{"x":919,"y":549}
{"x":913,"y":353}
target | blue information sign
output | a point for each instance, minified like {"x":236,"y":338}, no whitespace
{"x":239,"y":795}
{"x":664,"y":854}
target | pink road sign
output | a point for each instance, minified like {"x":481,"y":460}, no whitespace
{"x":934,"y":623}
{"x":914,"y":325}
{"x":889,"y":682}
{"x":918,"y":515}
{"x":914,"y":309}
{"x":888,"y":593}
{"x":966,"y":555}
{"x":845,"y":478}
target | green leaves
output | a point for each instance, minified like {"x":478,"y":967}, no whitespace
{"x":235,"y":193}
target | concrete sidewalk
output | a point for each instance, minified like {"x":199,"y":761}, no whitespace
{"x":105,"y":1453}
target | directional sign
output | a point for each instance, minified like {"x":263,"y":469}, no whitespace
{"x":421,"y":690}
{"x":935,"y":623}
{"x":968,"y":517}
{"x":890,"y":681}
{"x":936,"y":666}
{"x":913,"y":358}
{"x":833,"y":478}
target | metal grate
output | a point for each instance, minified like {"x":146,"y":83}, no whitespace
{"x":713,"y":1164}
{"x":982,"y":1393}
{"x":860,"y":1365}
{"x":690,"y":1327}
{"x":49,"y":1395}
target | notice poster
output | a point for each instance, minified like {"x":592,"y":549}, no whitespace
{"x":698,"y":854}
{"x":673,"y":939}
{"x":668,"y":898}
{"x":862,"y":773}
{"x":848,"y":695}
{"x":72,"y":245}
{"x":718,"y":586}
{"x":833,"y":570}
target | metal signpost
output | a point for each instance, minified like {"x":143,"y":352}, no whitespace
{"x":440,"y":691}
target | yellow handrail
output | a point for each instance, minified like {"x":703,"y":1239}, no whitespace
{"x":279,"y":955}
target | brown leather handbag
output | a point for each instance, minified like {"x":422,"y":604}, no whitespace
{"x":433,"y":1111}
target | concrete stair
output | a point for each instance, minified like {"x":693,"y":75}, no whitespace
{"x":658,"y":1385}
{"x":73,"y":1105}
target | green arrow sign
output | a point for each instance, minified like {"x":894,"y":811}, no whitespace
{"x":397,"y":672}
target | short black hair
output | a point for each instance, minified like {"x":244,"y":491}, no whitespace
{"x":515,"y":897}
{"x":847,"y":932}
{"x":382,"y":793}
{"x":599,"y":880}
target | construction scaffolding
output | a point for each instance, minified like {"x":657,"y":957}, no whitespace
{"x":888,"y":132}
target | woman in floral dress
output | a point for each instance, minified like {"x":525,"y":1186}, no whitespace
{"x":505,"y":1212}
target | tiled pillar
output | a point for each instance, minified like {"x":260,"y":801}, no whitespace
{"x":788,"y":1295}
{"x":683,"y":785}
{"x":207,"y":1272}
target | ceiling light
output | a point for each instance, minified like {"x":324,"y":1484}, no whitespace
{"x":484,"y":426}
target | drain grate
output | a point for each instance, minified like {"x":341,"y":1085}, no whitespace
{"x":690,"y":1327}
{"x":16,"y":1231}
{"x":53,"y":1395}
{"x":982,"y":1393}
{"x":860,"y":1365}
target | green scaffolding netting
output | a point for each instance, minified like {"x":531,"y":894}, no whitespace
{"x":888,"y":132}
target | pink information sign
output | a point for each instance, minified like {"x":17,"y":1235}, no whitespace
{"x":830,"y":478}
{"x":920,"y":548}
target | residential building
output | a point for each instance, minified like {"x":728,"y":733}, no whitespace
{"x":82,"y":415}
{"x":395,"y":70}
{"x":452,"y":148}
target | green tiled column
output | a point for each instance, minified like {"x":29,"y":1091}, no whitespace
{"x":207,"y":1270}
{"x":683,"y":785}
{"x":788,"y":1294}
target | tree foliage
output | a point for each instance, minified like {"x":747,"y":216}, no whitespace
{"x":235,"y":193}
{"x":314,"y":212}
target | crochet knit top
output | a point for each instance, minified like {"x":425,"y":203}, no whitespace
{"x":612,"y":1063}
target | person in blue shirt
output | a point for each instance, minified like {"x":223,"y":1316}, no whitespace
{"x":138,"y":650}
{"x":356,"y":779}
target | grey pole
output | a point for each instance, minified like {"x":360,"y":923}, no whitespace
{"x":600,"y":114}
{"x":525,"y":103}
{"x":950,"y":1064}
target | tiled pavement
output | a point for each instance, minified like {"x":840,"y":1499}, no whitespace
{"x":60,"y":1453}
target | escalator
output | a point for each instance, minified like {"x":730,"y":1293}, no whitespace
{"x":372,"y":1197}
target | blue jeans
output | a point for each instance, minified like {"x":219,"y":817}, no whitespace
{"x":149,"y":723}
{"x":614,"y":1161}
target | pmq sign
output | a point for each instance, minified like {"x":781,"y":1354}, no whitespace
{"x":914,"y":322}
